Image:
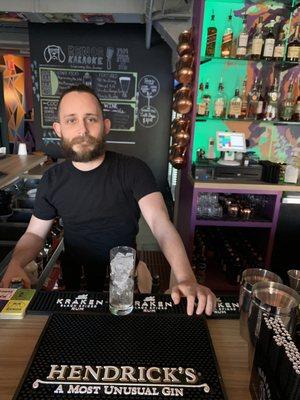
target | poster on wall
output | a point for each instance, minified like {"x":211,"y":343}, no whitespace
{"x":134,"y":85}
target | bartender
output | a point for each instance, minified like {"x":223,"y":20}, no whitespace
{"x":99,"y":196}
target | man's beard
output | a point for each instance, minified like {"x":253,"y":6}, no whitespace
{"x":90,"y":148}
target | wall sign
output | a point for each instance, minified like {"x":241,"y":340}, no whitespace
{"x":134,"y":85}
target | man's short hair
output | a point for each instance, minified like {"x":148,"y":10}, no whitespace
{"x":78,"y":88}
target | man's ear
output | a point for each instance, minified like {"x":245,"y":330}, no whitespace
{"x":57,"y":128}
{"x":106,"y":126}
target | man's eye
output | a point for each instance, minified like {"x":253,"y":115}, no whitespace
{"x":71,"y":121}
{"x":92,"y":119}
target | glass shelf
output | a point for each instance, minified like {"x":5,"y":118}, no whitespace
{"x":275,"y":122}
{"x":283,"y":63}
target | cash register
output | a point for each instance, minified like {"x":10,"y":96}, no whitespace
{"x":227,"y":167}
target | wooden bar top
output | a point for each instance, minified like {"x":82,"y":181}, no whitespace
{"x":15,"y":166}
{"x":259,"y":186}
{"x":18,"y":339}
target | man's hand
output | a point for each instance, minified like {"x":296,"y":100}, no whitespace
{"x":15,"y":271}
{"x":191,"y":290}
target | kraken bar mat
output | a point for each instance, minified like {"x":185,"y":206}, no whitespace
{"x":98,"y":356}
{"x":49,"y":302}
{"x":227,"y":307}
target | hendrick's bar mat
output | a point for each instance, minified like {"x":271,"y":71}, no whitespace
{"x":101,"y":356}
{"x":49,"y":302}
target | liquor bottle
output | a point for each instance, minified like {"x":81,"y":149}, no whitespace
{"x":287,"y":106}
{"x":260,"y":103}
{"x":206,"y":99}
{"x":242,"y":41}
{"x":296,"y":115}
{"x":211,"y":37}
{"x":253,"y":100}
{"x":257,"y":41}
{"x":293,"y":48}
{"x":269,"y":44}
{"x":244,"y":109}
{"x":227,"y":39}
{"x":271,"y":110}
{"x":279,"y":47}
{"x":201,"y":106}
{"x":235,"y":105}
{"x":220,"y":102}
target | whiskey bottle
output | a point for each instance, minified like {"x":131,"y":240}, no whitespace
{"x":293,"y":48}
{"x":206,"y":99}
{"x":269,"y":44}
{"x":257,"y":41}
{"x":220,"y":103}
{"x":211,"y":37}
{"x":244,"y":109}
{"x":227,"y":39}
{"x":235,"y":106}
{"x":271,"y":111}
{"x":242,"y":41}
{"x":296,"y":115}
{"x":287,"y":106}
{"x":201,"y":105}
{"x":279,"y":47}
{"x":260,"y":103}
{"x":253,"y":100}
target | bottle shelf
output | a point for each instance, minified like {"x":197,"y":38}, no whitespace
{"x":233,"y":222}
{"x":274,"y":122}
{"x":284,"y":63}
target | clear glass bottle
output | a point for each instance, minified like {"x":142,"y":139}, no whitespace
{"x":269,"y":44}
{"x":293,"y":48}
{"x":220,"y":102}
{"x":235,"y":106}
{"x":253,"y":100}
{"x":242,"y":41}
{"x":287,"y":106}
{"x":271,"y":110}
{"x":211,"y":37}
{"x":227,"y":39}
{"x":257,"y":41}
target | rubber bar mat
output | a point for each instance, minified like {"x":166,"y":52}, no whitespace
{"x":49,"y":302}
{"x":100,"y":356}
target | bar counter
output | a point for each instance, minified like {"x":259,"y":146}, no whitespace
{"x":18,"y":339}
{"x":14,"y":166}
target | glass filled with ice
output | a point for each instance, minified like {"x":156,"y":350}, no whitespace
{"x":121,"y":284}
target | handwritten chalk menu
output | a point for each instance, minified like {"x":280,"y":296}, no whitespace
{"x":133,"y":84}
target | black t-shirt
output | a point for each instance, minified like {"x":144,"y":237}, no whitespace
{"x":99,"y":208}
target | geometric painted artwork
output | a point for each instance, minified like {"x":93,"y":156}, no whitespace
{"x":14,"y":96}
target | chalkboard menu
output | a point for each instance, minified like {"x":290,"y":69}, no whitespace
{"x":134,"y":85}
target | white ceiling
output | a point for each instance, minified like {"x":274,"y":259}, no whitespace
{"x":169,"y":17}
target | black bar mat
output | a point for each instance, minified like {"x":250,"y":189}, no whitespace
{"x":49,"y":302}
{"x":98,"y":356}
{"x":227,"y":307}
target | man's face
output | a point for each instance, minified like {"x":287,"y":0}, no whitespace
{"x":81,"y":127}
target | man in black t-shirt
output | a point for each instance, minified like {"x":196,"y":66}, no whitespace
{"x":99,"y":196}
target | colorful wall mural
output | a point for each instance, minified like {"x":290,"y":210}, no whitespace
{"x":14,"y":96}
{"x":269,"y":141}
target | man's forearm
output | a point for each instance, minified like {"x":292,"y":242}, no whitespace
{"x":26,"y":249}
{"x":174,"y":251}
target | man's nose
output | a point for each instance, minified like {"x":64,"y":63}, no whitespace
{"x":82,"y":129}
